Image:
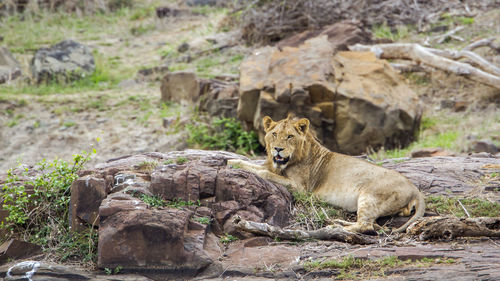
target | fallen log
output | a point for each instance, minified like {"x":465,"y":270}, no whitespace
{"x":434,"y":58}
{"x":431,"y":228}
{"x":325,"y":233}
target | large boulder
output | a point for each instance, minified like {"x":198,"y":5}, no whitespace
{"x":10,"y":68}
{"x":354,"y":100}
{"x":180,"y":237}
{"x":65,"y":61}
{"x":180,"y":87}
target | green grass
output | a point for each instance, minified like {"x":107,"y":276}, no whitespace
{"x":359,"y":268}
{"x":202,"y":220}
{"x":147,"y":166}
{"x":384,"y":32}
{"x":476,"y":207}
{"x":222,"y":133}
{"x":311,"y":212}
{"x":446,"y":140}
{"x":153,"y":201}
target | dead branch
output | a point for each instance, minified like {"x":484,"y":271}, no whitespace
{"x":475,"y":59}
{"x":325,"y":233}
{"x":429,"y":228}
{"x":487,"y":42}
{"x":441,"y":38}
{"x":403,"y":67}
{"x":419,"y":54}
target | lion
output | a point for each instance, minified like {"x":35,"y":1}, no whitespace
{"x":295,"y":158}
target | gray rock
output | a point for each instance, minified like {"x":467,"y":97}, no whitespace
{"x":9,"y":66}
{"x":484,"y":146}
{"x":66,"y":61}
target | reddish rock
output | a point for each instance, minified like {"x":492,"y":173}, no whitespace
{"x":17,"y":249}
{"x":148,"y":239}
{"x":87,"y":194}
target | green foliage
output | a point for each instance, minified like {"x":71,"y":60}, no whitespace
{"x":179,"y":203}
{"x":476,"y":207}
{"x":225,"y":134}
{"x":202,"y":220}
{"x":227,"y":238}
{"x":384,"y":31}
{"x":38,"y":208}
{"x":444,"y":140}
{"x":181,"y":160}
{"x":153,"y":201}
{"x":110,"y":271}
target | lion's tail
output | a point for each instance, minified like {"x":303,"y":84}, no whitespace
{"x":419,"y":212}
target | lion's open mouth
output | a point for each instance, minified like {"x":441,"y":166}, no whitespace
{"x":280,"y":160}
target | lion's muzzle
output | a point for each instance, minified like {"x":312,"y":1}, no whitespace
{"x":279,"y":157}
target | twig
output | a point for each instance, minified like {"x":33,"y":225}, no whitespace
{"x":463,"y":207}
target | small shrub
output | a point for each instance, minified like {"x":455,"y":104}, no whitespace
{"x":202,"y":220}
{"x":181,"y":160}
{"x":38,"y":209}
{"x":153,"y":201}
{"x":228,"y":238}
{"x":225,"y":134}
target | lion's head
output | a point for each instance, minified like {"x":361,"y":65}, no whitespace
{"x":285,"y":140}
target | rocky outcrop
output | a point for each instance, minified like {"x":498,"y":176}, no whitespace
{"x":354,"y":101}
{"x":204,"y":194}
{"x":10,"y":68}
{"x":65,"y":61}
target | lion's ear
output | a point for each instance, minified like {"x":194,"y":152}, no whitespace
{"x":267,"y":122}
{"x":302,"y":125}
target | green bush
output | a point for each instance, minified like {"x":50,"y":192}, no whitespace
{"x":224,"y":134}
{"x":38,"y":208}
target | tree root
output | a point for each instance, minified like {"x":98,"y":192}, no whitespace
{"x":325,"y":233}
{"x":429,"y":228}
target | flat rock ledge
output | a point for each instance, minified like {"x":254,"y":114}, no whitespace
{"x":176,"y":242}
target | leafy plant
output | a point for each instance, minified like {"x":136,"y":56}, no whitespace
{"x":181,"y":160}
{"x":228,"y":238}
{"x":202,"y":220}
{"x":38,"y":208}
{"x":153,"y":201}
{"x":110,"y":271}
{"x":225,"y":134}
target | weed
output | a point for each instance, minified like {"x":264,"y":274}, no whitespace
{"x":38,"y":208}
{"x":69,"y":124}
{"x":168,"y":162}
{"x":110,"y":271}
{"x":181,"y":160}
{"x":475,"y":206}
{"x":202,"y":220}
{"x":179,"y":203}
{"x":224,"y":133}
{"x":153,"y":201}
{"x":227,"y":238}
{"x":384,"y":31}
{"x":142,"y":29}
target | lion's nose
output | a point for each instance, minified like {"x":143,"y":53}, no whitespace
{"x":278,"y":149}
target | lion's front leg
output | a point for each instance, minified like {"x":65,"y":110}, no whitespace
{"x":261,"y":171}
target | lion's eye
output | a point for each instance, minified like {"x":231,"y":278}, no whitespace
{"x":290,"y":136}
{"x":274,"y":135}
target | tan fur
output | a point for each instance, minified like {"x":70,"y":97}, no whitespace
{"x":343,"y":181}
